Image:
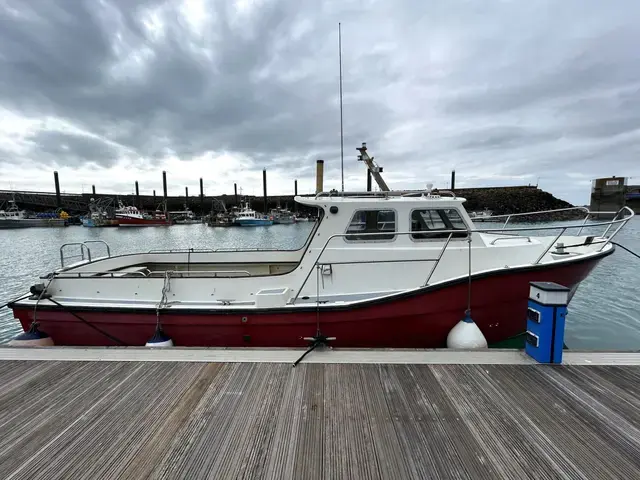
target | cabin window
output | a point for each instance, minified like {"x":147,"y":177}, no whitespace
{"x":434,"y":223}
{"x":370,"y":222}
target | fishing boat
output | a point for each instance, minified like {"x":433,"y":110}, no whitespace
{"x":481,"y":216}
{"x":129,"y":216}
{"x":247,"y":217}
{"x":185,"y":217}
{"x":95,"y":220}
{"x":13,"y":217}
{"x":98,"y":216}
{"x":384,"y":269}
{"x":220,"y":220}
{"x":282,"y":216}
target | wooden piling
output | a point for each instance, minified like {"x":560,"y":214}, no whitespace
{"x":201,"y":196}
{"x":264,"y":189}
{"x":57,"y":185}
{"x":164,"y":188}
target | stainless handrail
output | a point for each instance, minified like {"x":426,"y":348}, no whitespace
{"x":510,"y":237}
{"x":615,"y":218}
{"x":102,"y":242}
{"x":121,"y":274}
{"x":338,"y":235}
{"x":435,"y":265}
{"x":539,"y":212}
{"x":623,"y":221}
{"x":82,"y":247}
{"x":178,"y":274}
{"x":111,"y":274}
{"x":209,"y":250}
{"x":550,"y":245}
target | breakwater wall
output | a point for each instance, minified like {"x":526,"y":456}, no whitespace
{"x":500,"y":200}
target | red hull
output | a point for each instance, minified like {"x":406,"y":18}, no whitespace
{"x":418,"y":320}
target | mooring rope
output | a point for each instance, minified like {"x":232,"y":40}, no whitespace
{"x":88,"y":324}
{"x":625,"y":248}
{"x":14,"y":300}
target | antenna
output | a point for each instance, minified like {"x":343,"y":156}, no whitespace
{"x":341,"y":130}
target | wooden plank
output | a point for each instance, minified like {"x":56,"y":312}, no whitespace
{"x":268,"y":420}
{"x":567,"y":429}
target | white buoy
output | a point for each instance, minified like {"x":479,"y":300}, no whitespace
{"x":466,"y":334}
{"x":32,"y":338}
{"x":159,"y":339}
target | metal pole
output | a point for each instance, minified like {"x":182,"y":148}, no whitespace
{"x":138,"y":196}
{"x":341,"y":128}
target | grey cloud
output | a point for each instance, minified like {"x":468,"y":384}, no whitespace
{"x":500,"y":87}
{"x":502,"y":137}
{"x":73,"y":149}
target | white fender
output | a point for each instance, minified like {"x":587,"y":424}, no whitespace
{"x":466,"y":334}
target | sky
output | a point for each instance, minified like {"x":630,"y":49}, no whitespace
{"x":108,"y":92}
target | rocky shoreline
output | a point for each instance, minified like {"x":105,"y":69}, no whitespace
{"x":509,"y":200}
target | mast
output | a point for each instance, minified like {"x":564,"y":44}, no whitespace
{"x":373,"y":167}
{"x":341,"y":129}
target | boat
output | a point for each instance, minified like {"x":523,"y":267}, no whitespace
{"x":185,"y":217}
{"x":220,"y":220}
{"x":13,"y":217}
{"x":129,"y":216}
{"x":96,"y":220}
{"x":282,"y":216}
{"x":379,"y":269}
{"x":480,"y":216}
{"x":98,"y":216}
{"x":247,"y":217}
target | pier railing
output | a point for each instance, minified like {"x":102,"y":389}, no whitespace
{"x":619,"y":219}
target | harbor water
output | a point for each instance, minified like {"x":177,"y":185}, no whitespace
{"x":603,"y":315}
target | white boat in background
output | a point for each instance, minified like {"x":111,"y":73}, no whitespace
{"x":13,"y":217}
{"x":484,"y":215}
{"x":184,"y":217}
{"x":247,"y":217}
{"x":282,"y":216}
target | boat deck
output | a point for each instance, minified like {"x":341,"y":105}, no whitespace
{"x":224,"y":413}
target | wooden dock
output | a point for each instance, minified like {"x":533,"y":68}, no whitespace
{"x":83,"y":413}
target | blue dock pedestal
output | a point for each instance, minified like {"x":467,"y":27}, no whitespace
{"x":546,"y":315}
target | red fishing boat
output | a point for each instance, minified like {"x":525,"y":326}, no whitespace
{"x":383,"y":269}
{"x":128,"y":216}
